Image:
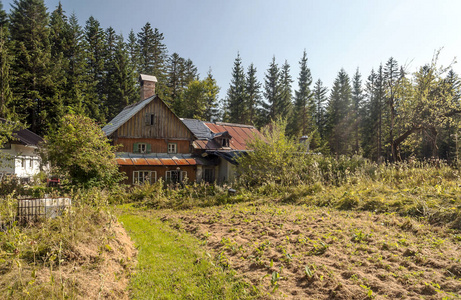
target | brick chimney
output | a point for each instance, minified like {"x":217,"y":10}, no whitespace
{"x":147,"y":85}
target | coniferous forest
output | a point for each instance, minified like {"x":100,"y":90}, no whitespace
{"x":52,"y":63}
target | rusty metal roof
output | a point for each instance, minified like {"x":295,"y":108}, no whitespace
{"x":158,"y":159}
{"x":206,"y":132}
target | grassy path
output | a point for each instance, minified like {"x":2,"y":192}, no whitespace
{"x":171,"y":264}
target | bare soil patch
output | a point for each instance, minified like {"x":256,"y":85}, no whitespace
{"x":303,"y":252}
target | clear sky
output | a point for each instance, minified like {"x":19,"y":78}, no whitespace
{"x":336,"y":34}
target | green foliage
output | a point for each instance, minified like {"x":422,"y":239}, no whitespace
{"x":79,"y":150}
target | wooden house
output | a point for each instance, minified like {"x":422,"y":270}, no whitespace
{"x":154,"y":143}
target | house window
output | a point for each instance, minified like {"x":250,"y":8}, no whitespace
{"x":175,"y":176}
{"x":225,"y":142}
{"x":31,"y":165}
{"x":208,"y":175}
{"x":172,"y":148}
{"x":140,"y":177}
{"x":24,"y":163}
{"x":150,"y":119}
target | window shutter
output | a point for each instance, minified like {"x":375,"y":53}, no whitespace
{"x":135,"y":148}
{"x":154,"y":176}
{"x":147,"y":119}
{"x":148,"y":148}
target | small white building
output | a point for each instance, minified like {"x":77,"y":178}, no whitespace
{"x":19,"y":157}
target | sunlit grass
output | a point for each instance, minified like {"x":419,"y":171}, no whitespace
{"x":171,"y":264}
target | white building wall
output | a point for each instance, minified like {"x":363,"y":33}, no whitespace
{"x":24,"y":162}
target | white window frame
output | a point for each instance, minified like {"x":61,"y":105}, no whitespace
{"x":24,"y":163}
{"x":141,"y":146}
{"x":151,"y":176}
{"x":182,"y":175}
{"x":172,"y":148}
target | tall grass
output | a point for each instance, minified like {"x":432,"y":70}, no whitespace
{"x":45,"y":247}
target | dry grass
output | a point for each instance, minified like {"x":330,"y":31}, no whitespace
{"x":84,"y":254}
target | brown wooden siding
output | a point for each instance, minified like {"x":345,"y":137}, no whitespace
{"x":166,"y":124}
{"x":128,"y":170}
{"x":157,"y":145}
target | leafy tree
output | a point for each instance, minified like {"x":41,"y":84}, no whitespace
{"x":79,"y":150}
{"x":428,"y":104}
{"x":236,"y":97}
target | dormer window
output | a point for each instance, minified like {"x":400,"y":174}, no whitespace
{"x":225,"y":142}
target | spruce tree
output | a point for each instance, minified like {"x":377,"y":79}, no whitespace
{"x":272,"y":91}
{"x":304,"y":109}
{"x":338,"y":110}
{"x":392,"y":79}
{"x":284,"y":106}
{"x":175,"y":77}
{"x":76,"y":83}
{"x":320,"y":99}
{"x":121,"y":81}
{"x":236,"y":96}
{"x":33,"y":74}
{"x":153,"y":56}
{"x":254,"y":100}
{"x":211,"y":93}
{"x":95,"y":58}
{"x":357,"y":98}
{"x":6,"y":96}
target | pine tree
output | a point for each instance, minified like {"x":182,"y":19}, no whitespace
{"x":357,"y":98}
{"x":254,"y":101}
{"x":338,"y":110}
{"x":76,"y":69}
{"x":272,"y":91}
{"x":33,"y":80}
{"x":95,"y":57}
{"x":153,"y":56}
{"x":392,"y":79}
{"x":175,"y":77}
{"x":302,"y":121}
{"x":236,"y":96}
{"x":284,"y":106}
{"x":6,"y":96}
{"x":121,"y":81}
{"x":320,"y":98}
{"x":211,"y":91}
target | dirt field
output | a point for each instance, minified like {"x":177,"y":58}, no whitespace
{"x":299,"y":252}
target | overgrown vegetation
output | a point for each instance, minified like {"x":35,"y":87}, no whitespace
{"x":81,"y":254}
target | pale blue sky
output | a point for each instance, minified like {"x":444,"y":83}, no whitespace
{"x":336,"y":34}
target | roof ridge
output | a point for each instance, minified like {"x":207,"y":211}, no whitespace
{"x":232,"y":124}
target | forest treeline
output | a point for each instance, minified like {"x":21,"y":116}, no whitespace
{"x":50,"y":65}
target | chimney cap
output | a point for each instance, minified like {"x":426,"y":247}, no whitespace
{"x":143,"y":77}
